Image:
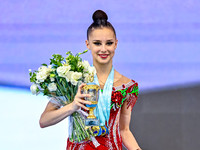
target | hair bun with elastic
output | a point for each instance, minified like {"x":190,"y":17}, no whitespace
{"x":100,"y":21}
{"x":99,"y":15}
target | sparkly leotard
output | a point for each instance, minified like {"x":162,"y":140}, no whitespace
{"x":113,"y":140}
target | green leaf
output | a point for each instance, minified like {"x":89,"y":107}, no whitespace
{"x":37,"y":90}
{"x":43,"y":85}
{"x":59,"y":64}
{"x":33,"y":77}
{"x":44,"y":64}
{"x":45,"y":92}
{"x":55,"y":67}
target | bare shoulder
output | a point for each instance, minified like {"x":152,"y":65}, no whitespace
{"x":120,"y":79}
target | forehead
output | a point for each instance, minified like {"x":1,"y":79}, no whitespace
{"x":101,"y":34}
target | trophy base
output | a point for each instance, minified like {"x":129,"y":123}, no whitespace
{"x":91,"y":122}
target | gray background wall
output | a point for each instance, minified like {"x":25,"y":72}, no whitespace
{"x":168,"y":119}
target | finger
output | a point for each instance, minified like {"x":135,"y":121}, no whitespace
{"x":84,"y":95}
{"x":84,"y":107}
{"x":79,"y":104}
{"x":84,"y":102}
{"x":80,"y":88}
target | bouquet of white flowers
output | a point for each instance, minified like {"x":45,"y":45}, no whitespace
{"x":59,"y":81}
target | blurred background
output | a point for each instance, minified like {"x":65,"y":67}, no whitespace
{"x":159,"y":47}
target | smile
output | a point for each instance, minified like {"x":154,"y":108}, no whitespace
{"x":103,"y":55}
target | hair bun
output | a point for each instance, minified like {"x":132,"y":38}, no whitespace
{"x":99,"y":15}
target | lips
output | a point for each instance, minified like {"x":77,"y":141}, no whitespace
{"x":103,"y":55}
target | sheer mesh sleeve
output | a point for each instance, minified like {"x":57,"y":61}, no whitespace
{"x":132,"y":94}
{"x":55,"y":102}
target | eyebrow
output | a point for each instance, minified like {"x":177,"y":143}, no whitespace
{"x":100,"y":40}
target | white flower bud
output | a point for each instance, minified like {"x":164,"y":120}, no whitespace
{"x":52,"y":87}
{"x":34,"y":89}
{"x":52,"y":79}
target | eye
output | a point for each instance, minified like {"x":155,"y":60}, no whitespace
{"x":97,"y":43}
{"x":109,"y":43}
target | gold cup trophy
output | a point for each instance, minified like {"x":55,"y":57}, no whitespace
{"x":93,"y":90}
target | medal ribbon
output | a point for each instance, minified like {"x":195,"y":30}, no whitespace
{"x":102,"y":111}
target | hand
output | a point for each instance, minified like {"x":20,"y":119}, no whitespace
{"x":79,"y":99}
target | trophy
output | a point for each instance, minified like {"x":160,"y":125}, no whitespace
{"x":93,"y":90}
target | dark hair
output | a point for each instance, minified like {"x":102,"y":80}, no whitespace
{"x":100,"y":20}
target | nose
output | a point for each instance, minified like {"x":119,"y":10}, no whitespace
{"x":103,"y":49}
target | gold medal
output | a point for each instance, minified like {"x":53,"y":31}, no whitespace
{"x":103,"y":131}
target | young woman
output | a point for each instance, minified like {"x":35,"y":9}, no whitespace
{"x":118,"y":93}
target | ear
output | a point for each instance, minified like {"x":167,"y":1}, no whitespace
{"x":87,"y":44}
{"x":116,"y":41}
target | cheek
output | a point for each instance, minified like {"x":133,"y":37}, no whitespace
{"x":113,"y":53}
{"x":95,"y":49}
{"x":112,"y":49}
{"x":94,"y":52}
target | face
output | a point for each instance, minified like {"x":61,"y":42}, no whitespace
{"x":102,"y":43}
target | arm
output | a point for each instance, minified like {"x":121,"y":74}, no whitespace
{"x":52,"y":114}
{"x":128,"y":139}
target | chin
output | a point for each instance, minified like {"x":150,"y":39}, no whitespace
{"x":104,"y":61}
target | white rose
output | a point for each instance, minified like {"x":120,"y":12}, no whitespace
{"x":69,"y":76}
{"x":41,"y":76}
{"x":43,"y":73}
{"x":34,"y":89}
{"x":92,"y":70}
{"x":62,"y":71}
{"x":74,"y":77}
{"x":86,"y":77}
{"x":74,"y":82}
{"x":42,"y":69}
{"x":45,"y":69}
{"x":86,"y":65}
{"x":52,"y":87}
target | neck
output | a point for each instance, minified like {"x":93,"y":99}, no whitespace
{"x":103,"y":69}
